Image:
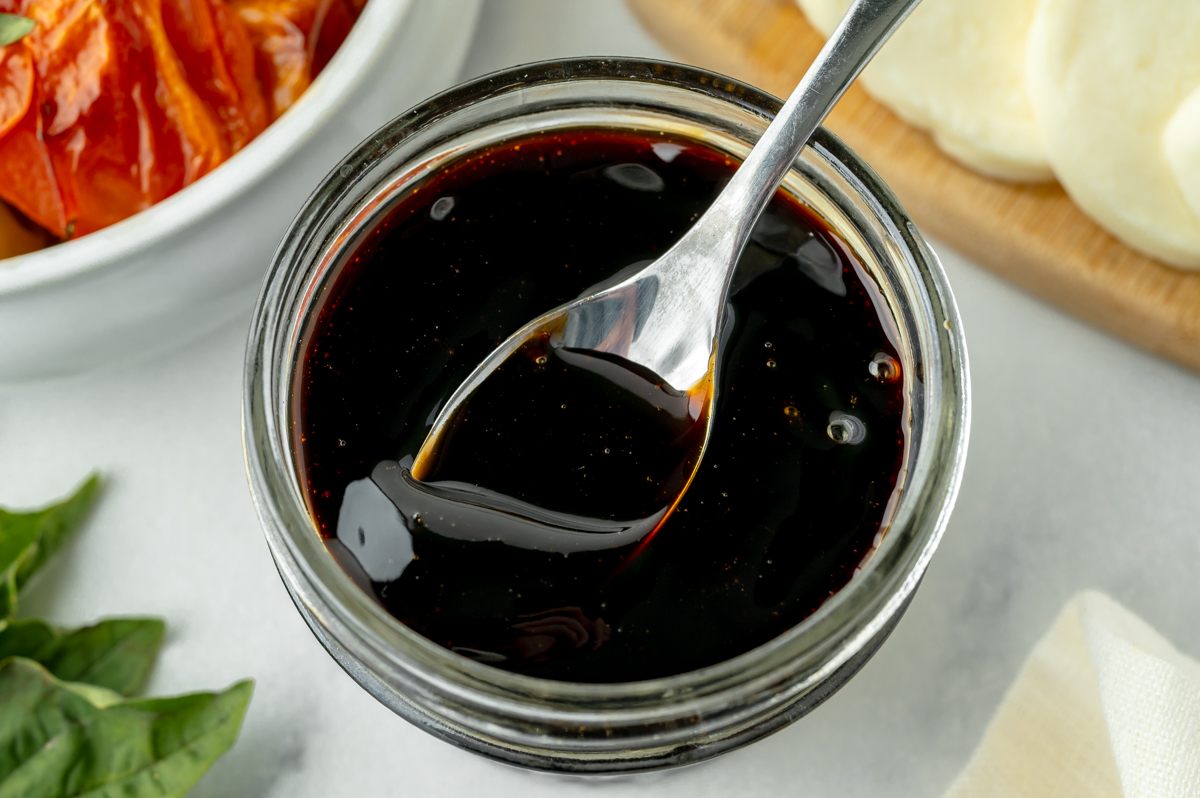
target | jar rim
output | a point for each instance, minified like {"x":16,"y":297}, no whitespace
{"x":852,"y":616}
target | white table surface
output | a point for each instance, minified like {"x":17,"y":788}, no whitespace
{"x":1084,"y":471}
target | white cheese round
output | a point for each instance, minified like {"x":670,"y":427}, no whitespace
{"x":1110,"y":82}
{"x":957,"y":69}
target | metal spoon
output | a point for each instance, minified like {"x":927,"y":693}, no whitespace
{"x":667,"y":317}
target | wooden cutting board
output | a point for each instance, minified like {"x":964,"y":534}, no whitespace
{"x":1033,"y":235}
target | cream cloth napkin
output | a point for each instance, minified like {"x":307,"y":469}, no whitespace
{"x":1104,"y":706}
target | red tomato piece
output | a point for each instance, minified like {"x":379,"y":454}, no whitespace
{"x":109,"y":106}
{"x":219,"y":61}
{"x":113,"y":116}
{"x":295,"y":39}
{"x":16,"y":85}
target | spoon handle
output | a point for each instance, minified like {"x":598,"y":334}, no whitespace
{"x":701,"y":264}
{"x":667,"y":317}
{"x":865,"y":28}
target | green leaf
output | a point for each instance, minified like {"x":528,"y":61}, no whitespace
{"x":26,"y":638}
{"x":28,"y":540}
{"x":116,"y":654}
{"x":14,"y":28}
{"x":57,"y":742}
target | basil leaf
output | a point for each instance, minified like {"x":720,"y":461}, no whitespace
{"x":116,"y":653}
{"x":62,"y":740}
{"x":14,"y":28}
{"x":26,"y":638}
{"x":29,"y":540}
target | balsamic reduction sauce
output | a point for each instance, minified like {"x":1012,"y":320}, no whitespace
{"x":806,"y":444}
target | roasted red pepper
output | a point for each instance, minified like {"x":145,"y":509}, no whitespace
{"x":219,"y":61}
{"x":109,"y":106}
{"x":295,"y":40}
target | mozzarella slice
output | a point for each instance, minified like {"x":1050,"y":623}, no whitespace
{"x":957,"y":69}
{"x":1181,"y":145}
{"x":824,"y":15}
{"x":1106,"y":77}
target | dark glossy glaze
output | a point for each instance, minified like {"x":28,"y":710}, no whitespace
{"x":806,"y":445}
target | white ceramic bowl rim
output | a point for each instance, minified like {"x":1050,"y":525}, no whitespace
{"x":107,"y":248}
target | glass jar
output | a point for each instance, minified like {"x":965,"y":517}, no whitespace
{"x":623,"y":727}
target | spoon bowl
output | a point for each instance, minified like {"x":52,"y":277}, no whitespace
{"x":665,"y":319}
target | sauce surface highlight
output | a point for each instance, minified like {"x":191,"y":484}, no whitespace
{"x":806,"y":445}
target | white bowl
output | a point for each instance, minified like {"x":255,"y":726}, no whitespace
{"x":195,"y":261}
